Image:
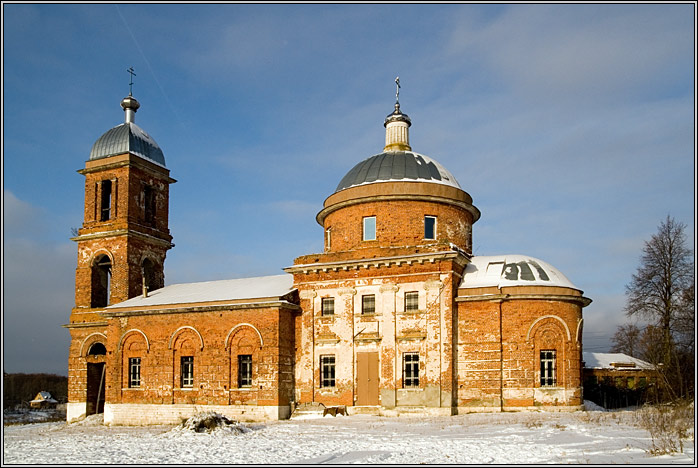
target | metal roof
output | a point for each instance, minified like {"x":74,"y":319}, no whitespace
{"x":209,"y":291}
{"x":397,"y":166}
{"x":127,"y":138}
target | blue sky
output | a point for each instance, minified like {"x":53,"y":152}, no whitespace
{"x":571,"y":126}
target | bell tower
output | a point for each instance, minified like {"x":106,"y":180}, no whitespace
{"x":125,"y":236}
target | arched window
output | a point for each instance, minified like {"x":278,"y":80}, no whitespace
{"x":185,"y":365}
{"x":149,"y":277}
{"x":101,"y":281}
{"x":244,"y":357}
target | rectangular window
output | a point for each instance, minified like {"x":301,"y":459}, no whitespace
{"x":411,"y":301}
{"x":187,"y":371}
{"x":244,"y":370}
{"x":430,"y":227}
{"x":328,"y":239}
{"x":368,"y":304}
{"x":327,"y":371}
{"x":149,"y":204}
{"x":328,"y":306}
{"x":547,"y":368}
{"x":631,"y":382}
{"x":370,"y":228}
{"x":410,"y":370}
{"x":642,"y":381}
{"x":105,"y":206}
{"x":134,"y":372}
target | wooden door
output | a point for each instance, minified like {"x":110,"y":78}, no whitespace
{"x":367,"y":380}
{"x":95,"y":388}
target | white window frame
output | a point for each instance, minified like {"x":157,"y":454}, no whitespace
{"x":186,"y":370}
{"x":327,"y":306}
{"x":328,"y":368}
{"x":411,"y":301}
{"x":364,"y":309}
{"x":244,"y":374}
{"x":548,"y":368}
{"x":433,"y":237}
{"x":369,"y":232}
{"x":134,"y":372}
{"x":410,"y":370}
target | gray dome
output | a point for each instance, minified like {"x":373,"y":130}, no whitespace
{"x":397,"y":166}
{"x":127,"y":138}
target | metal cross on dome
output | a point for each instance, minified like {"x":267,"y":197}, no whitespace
{"x":397,"y":91}
{"x":130,"y":85}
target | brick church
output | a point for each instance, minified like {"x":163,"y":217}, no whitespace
{"x":395,"y":315}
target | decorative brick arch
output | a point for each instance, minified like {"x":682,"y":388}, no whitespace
{"x":91,"y":342}
{"x":182,"y":328}
{"x":238,"y":326}
{"x":244,"y":341}
{"x":580,"y":325}
{"x":539,"y":319}
{"x":98,"y":253}
{"x":133,"y":330}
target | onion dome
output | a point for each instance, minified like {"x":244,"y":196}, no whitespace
{"x":128,"y":138}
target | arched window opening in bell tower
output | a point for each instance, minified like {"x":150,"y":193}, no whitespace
{"x":106,"y":201}
{"x":101,"y":281}
{"x":149,"y":278}
{"x":149,"y":205}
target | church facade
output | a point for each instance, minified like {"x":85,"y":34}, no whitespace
{"x":395,"y":315}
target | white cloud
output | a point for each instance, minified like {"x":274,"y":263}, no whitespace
{"x":18,"y":217}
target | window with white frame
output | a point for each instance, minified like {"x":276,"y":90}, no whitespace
{"x":327,"y":371}
{"x":547,"y":368}
{"x":411,"y":301}
{"x":430,"y":227}
{"x":368,"y":304}
{"x":328,"y":306}
{"x":244,"y":370}
{"x":369,"y":228}
{"x":410,"y":370}
{"x":187,"y":371}
{"x":328,"y":238}
{"x":134,"y":372}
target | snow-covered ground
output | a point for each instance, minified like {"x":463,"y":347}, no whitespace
{"x":595,"y":436}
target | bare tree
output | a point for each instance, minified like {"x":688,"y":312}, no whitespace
{"x":626,"y":340}
{"x":658,"y":291}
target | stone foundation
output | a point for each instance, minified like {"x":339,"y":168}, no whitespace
{"x":145,"y":414}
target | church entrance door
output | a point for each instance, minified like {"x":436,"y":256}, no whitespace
{"x":367,"y":380}
{"x":95,"y":388}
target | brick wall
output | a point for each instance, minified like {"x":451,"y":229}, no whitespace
{"x":499,"y":344}
{"x":398,"y":224}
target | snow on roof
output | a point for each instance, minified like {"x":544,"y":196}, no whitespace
{"x":613,"y":361}
{"x":43,"y":396}
{"x":512,"y":270}
{"x":210,"y":291}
